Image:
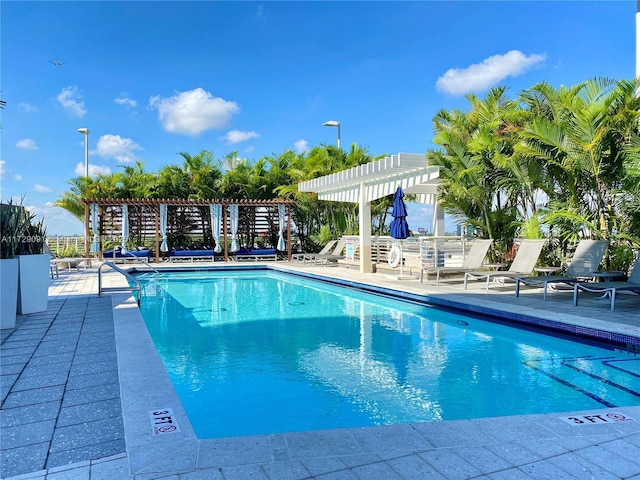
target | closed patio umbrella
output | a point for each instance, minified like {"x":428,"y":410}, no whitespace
{"x":399,"y":225}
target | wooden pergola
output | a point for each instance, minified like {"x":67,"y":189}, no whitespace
{"x":147,"y":213}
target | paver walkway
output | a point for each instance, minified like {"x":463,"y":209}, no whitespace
{"x":60,"y":391}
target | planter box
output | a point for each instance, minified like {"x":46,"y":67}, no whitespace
{"x":8,"y":292}
{"x":33,"y":283}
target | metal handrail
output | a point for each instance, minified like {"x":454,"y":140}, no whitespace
{"x":137,"y":287}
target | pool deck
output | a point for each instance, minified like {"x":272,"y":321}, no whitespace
{"x":79,"y":383}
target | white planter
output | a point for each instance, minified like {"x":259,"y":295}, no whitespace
{"x":33,"y":283}
{"x":8,"y":292}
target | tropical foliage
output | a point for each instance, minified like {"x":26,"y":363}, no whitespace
{"x":559,"y":162}
{"x":564,"y":161}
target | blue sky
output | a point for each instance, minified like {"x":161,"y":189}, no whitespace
{"x":151,"y":79}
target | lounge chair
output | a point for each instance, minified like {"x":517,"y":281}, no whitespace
{"x":611,"y":288}
{"x":523,"y":264}
{"x":472,"y":261}
{"x":255,"y":254}
{"x":584,"y":263}
{"x":334,"y":256}
{"x":118,"y":254}
{"x":304,"y":257}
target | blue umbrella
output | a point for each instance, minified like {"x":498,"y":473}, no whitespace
{"x":399,"y":226}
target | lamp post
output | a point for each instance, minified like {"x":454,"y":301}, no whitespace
{"x":85,"y":132}
{"x":333,"y":123}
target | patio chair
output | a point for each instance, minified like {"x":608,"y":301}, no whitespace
{"x":583,"y":264}
{"x":303,"y":257}
{"x":611,"y":288}
{"x":523,"y":264}
{"x":334,"y":256}
{"x":472,"y":261}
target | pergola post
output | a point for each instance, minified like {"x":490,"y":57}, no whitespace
{"x":364,"y":221}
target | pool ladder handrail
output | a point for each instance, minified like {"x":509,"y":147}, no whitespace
{"x":130,"y":288}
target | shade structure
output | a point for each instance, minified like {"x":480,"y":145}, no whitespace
{"x":399,"y":225}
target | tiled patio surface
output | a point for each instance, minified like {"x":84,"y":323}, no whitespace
{"x":75,"y":383}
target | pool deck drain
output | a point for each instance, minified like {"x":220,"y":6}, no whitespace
{"x":532,"y":446}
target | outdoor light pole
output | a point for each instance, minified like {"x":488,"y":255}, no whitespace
{"x":333,"y":123}
{"x":85,"y":132}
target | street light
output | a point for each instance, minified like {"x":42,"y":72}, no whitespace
{"x":333,"y":123}
{"x":85,"y":132}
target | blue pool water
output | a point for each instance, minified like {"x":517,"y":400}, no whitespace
{"x":256,"y":352}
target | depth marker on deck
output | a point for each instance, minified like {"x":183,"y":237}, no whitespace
{"x":163,"y":421}
{"x":597,"y":419}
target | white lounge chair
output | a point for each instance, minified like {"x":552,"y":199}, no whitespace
{"x":303,"y":257}
{"x":583,"y":264}
{"x":472,"y":261}
{"x":611,"y":288}
{"x":523,"y":264}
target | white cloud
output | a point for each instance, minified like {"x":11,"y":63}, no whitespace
{"x":193,"y":112}
{"x":17,"y":177}
{"x":94,"y":170}
{"x":123,"y":99}
{"x":27,"y":107}
{"x":236,"y":136}
{"x":488,"y":73}
{"x":41,"y":188}
{"x":301,"y":146}
{"x":114,"y":146}
{"x":72,"y":102}
{"x":3,"y":170}
{"x":27,"y":144}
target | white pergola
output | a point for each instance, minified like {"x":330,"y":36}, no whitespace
{"x":373,"y":180}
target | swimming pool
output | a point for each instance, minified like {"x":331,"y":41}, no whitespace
{"x":255,"y":352}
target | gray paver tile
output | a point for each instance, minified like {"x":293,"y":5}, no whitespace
{"x":10,"y":417}
{"x":89,"y":412}
{"x":453,"y":434}
{"x":17,"y":461}
{"x":390,"y":438}
{"x":581,"y":468}
{"x":6,"y":360}
{"x":31,"y":397}
{"x":85,"y":451}
{"x":320,"y":466}
{"x":234,"y":451}
{"x":412,"y":466}
{"x":27,"y":434}
{"x":545,"y":470}
{"x":483,"y":459}
{"x":207,"y":474}
{"x":91,"y":380}
{"x":12,"y":368}
{"x":513,"y":453}
{"x":30,"y":382}
{"x":244,"y":472}
{"x":111,"y":469}
{"x":90,"y":433}
{"x":91,"y":394}
{"x":376,"y":471}
{"x":511,"y":474}
{"x":47,"y":369}
{"x":622,"y":460}
{"x":109,"y":356}
{"x":303,"y":445}
{"x":66,"y":473}
{"x":92,"y":368}
{"x":65,"y":358}
{"x":449,"y":465}
{"x":286,"y":471}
